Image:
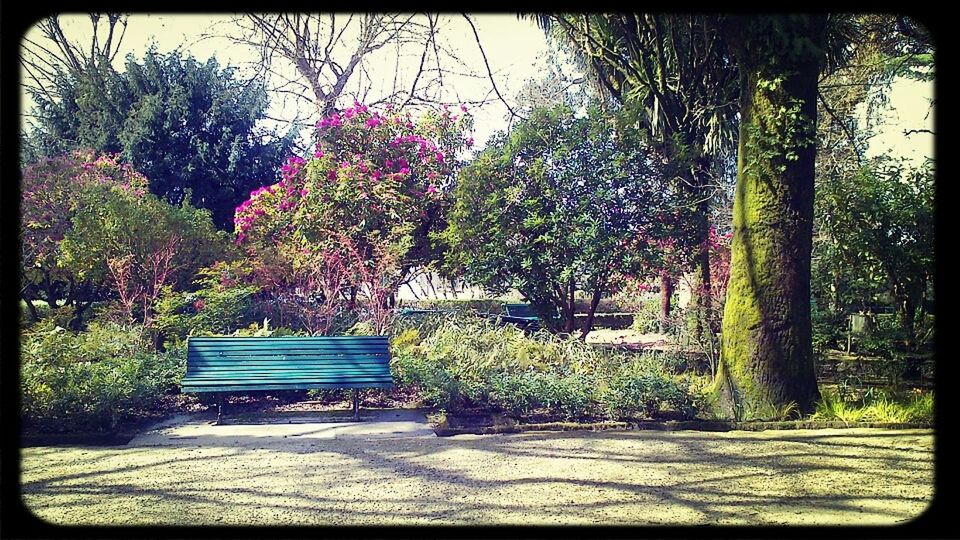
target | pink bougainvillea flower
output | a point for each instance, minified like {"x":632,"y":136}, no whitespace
{"x":431,"y":189}
{"x":470,"y":142}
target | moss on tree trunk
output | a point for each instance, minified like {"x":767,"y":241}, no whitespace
{"x":766,"y":352}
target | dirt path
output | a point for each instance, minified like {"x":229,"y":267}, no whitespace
{"x":855,"y":476}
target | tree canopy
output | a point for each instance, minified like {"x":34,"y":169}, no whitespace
{"x":182,"y":123}
{"x":560,"y":204}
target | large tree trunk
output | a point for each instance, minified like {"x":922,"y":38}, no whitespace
{"x":766,"y":352}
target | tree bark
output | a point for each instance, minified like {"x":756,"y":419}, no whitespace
{"x":34,"y":316}
{"x":594,"y":302}
{"x":766,"y":351}
{"x":570,"y":323}
{"x":666,"y":293}
{"x":702,"y":297}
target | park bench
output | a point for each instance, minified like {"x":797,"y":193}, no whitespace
{"x":521,"y":311}
{"x":229,"y":365}
{"x":522,"y":315}
{"x":407,"y":311}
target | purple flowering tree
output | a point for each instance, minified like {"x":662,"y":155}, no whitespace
{"x":370,"y":195}
{"x":91,"y":232}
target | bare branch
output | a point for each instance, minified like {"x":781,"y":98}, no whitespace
{"x":489,"y":72}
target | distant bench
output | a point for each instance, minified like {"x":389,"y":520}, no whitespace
{"x":521,"y":311}
{"x":229,"y":365}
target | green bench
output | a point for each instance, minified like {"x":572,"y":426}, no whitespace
{"x":228,"y":365}
{"x":521,"y":311}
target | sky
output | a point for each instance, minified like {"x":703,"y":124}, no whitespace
{"x":515,"y":50}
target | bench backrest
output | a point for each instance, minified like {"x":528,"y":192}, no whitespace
{"x":520,"y":310}
{"x":236,"y":364}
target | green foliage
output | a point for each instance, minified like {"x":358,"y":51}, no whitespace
{"x":103,"y":236}
{"x":94,"y":379}
{"x":560,"y":204}
{"x":828,"y":329}
{"x":222,"y":303}
{"x":876,"y":240}
{"x":183,"y":123}
{"x":647,"y":318}
{"x":876,"y":407}
{"x":831,"y":407}
{"x":639,"y":391}
{"x":471,"y":362}
{"x":263,"y":329}
{"x":118,"y":223}
{"x":341,"y":229}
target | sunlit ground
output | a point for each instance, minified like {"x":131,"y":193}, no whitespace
{"x":855,"y":476}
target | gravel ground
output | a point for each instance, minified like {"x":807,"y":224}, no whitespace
{"x":851,"y":476}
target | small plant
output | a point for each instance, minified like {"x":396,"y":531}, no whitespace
{"x":831,"y":407}
{"x":885,"y":410}
{"x":921,"y":409}
{"x":790,"y":411}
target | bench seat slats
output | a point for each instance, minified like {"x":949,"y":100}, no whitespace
{"x":287,"y":339}
{"x":332,"y":362}
{"x":292,"y":386}
{"x":230,"y":364}
{"x":366,"y":348}
{"x":283,"y":377}
{"x":277,"y":355}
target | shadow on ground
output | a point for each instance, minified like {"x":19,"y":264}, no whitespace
{"x":853,"y":476}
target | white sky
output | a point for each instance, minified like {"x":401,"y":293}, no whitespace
{"x":514,"y":48}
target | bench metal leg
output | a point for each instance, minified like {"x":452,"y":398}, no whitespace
{"x":220,"y":410}
{"x":356,"y":405}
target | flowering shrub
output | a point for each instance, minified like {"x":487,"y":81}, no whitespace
{"x":52,"y":192}
{"x":360,"y":208}
{"x":92,"y":232}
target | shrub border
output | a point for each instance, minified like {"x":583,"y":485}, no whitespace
{"x":443,"y":430}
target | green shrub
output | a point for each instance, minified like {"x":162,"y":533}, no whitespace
{"x":647,"y":317}
{"x":221,"y":304}
{"x":572,"y":396}
{"x":921,"y":409}
{"x":637,"y":393}
{"x":831,"y":407}
{"x":467,"y":361}
{"x":829,"y":329}
{"x":94,"y":379}
{"x":516,"y":393}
